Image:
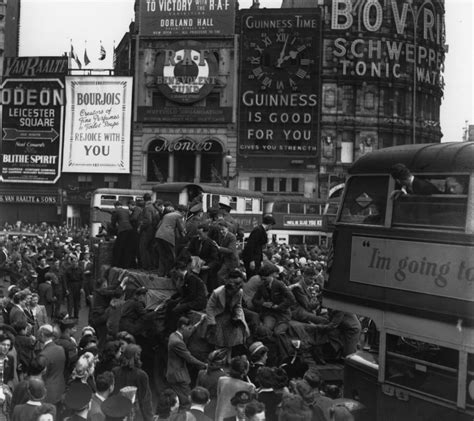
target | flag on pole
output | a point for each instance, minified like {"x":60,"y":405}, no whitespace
{"x":102,"y":53}
{"x":86,"y":57}
{"x":74,"y":56}
{"x":114,"y":59}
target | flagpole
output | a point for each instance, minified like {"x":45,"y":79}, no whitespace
{"x":135,"y":76}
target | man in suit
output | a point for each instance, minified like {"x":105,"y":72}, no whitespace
{"x":273,"y":300}
{"x":149,"y":221}
{"x":199,"y":399}
{"x":177,"y":374}
{"x":45,"y":293}
{"x":122,"y":254}
{"x":105,"y":386}
{"x":171,"y":226}
{"x":17,"y":313}
{"x":206,"y":249}
{"x":252,"y":255}
{"x":74,"y":276}
{"x":409,"y":184}
{"x":191,"y":295}
{"x":37,"y":393}
{"x":55,"y":361}
{"x":227,"y":248}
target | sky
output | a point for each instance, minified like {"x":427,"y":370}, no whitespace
{"x":48,"y":27}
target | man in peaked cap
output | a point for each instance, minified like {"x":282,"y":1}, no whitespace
{"x":77,"y":399}
{"x":239,"y":401}
{"x":116,"y":408}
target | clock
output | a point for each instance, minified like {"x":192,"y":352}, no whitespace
{"x":281,"y":61}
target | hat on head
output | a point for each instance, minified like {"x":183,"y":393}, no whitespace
{"x":36,"y":389}
{"x":268,"y":220}
{"x":116,"y":407}
{"x":256,"y":346}
{"x":217,"y":356}
{"x":67,"y":323}
{"x":224,"y":202}
{"x":241,"y":398}
{"x":78,"y":396}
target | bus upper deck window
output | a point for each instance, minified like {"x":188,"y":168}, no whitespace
{"x":296,"y":207}
{"x":365,"y":200}
{"x":446,"y":210}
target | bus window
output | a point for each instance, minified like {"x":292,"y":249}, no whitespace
{"x":107,"y":200}
{"x":313,"y":209}
{"x":365,"y":201}
{"x":125,"y":199}
{"x":295,"y":239}
{"x":248,"y":205}
{"x":423,"y":367}
{"x":296,"y":208}
{"x":233,"y":202}
{"x":280,"y":207}
{"x":439,"y":211}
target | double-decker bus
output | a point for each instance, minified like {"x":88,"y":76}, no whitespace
{"x":104,"y":199}
{"x":298,"y":220}
{"x":246,"y":205}
{"x":406,"y":262}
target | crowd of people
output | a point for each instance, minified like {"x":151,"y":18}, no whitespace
{"x":241,"y":339}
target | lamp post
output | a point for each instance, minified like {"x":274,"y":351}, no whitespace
{"x":228,"y":160}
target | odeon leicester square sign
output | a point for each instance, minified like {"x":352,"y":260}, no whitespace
{"x":186,"y":72}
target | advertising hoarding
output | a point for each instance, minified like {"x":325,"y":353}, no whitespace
{"x":32,"y":119}
{"x":166,"y":18}
{"x":427,"y":268}
{"x":279,"y":87}
{"x":97,"y":130}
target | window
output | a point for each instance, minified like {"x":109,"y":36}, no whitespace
{"x":211,"y":163}
{"x":295,"y":185}
{"x":270,"y":184}
{"x":258,"y":183}
{"x":280,"y":207}
{"x":248,"y":205}
{"x":84,"y":181}
{"x":157,"y":161}
{"x":111,"y":181}
{"x":366,"y":200}
{"x":422,"y":366}
{"x":446,"y":210}
{"x":313,"y":209}
{"x":282,"y":185}
{"x":296,"y":208}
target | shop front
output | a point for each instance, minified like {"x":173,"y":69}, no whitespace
{"x":29,"y":206}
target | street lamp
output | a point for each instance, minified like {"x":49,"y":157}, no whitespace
{"x":228,"y":160}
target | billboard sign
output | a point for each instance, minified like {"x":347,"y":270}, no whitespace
{"x":35,"y":66}
{"x":279,"y":87}
{"x":166,"y":18}
{"x":428,"y":268}
{"x":32,"y":118}
{"x":98,"y":118}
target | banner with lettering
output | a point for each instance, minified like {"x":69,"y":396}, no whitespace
{"x":97,"y":129}
{"x":175,"y":18}
{"x":428,"y":268}
{"x":279,"y":84}
{"x":32,"y":123}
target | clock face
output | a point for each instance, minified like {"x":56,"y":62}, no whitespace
{"x":281,"y":61}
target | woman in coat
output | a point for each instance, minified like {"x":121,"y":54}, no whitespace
{"x":225,"y":316}
{"x":228,"y":386}
{"x":130,"y":374}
